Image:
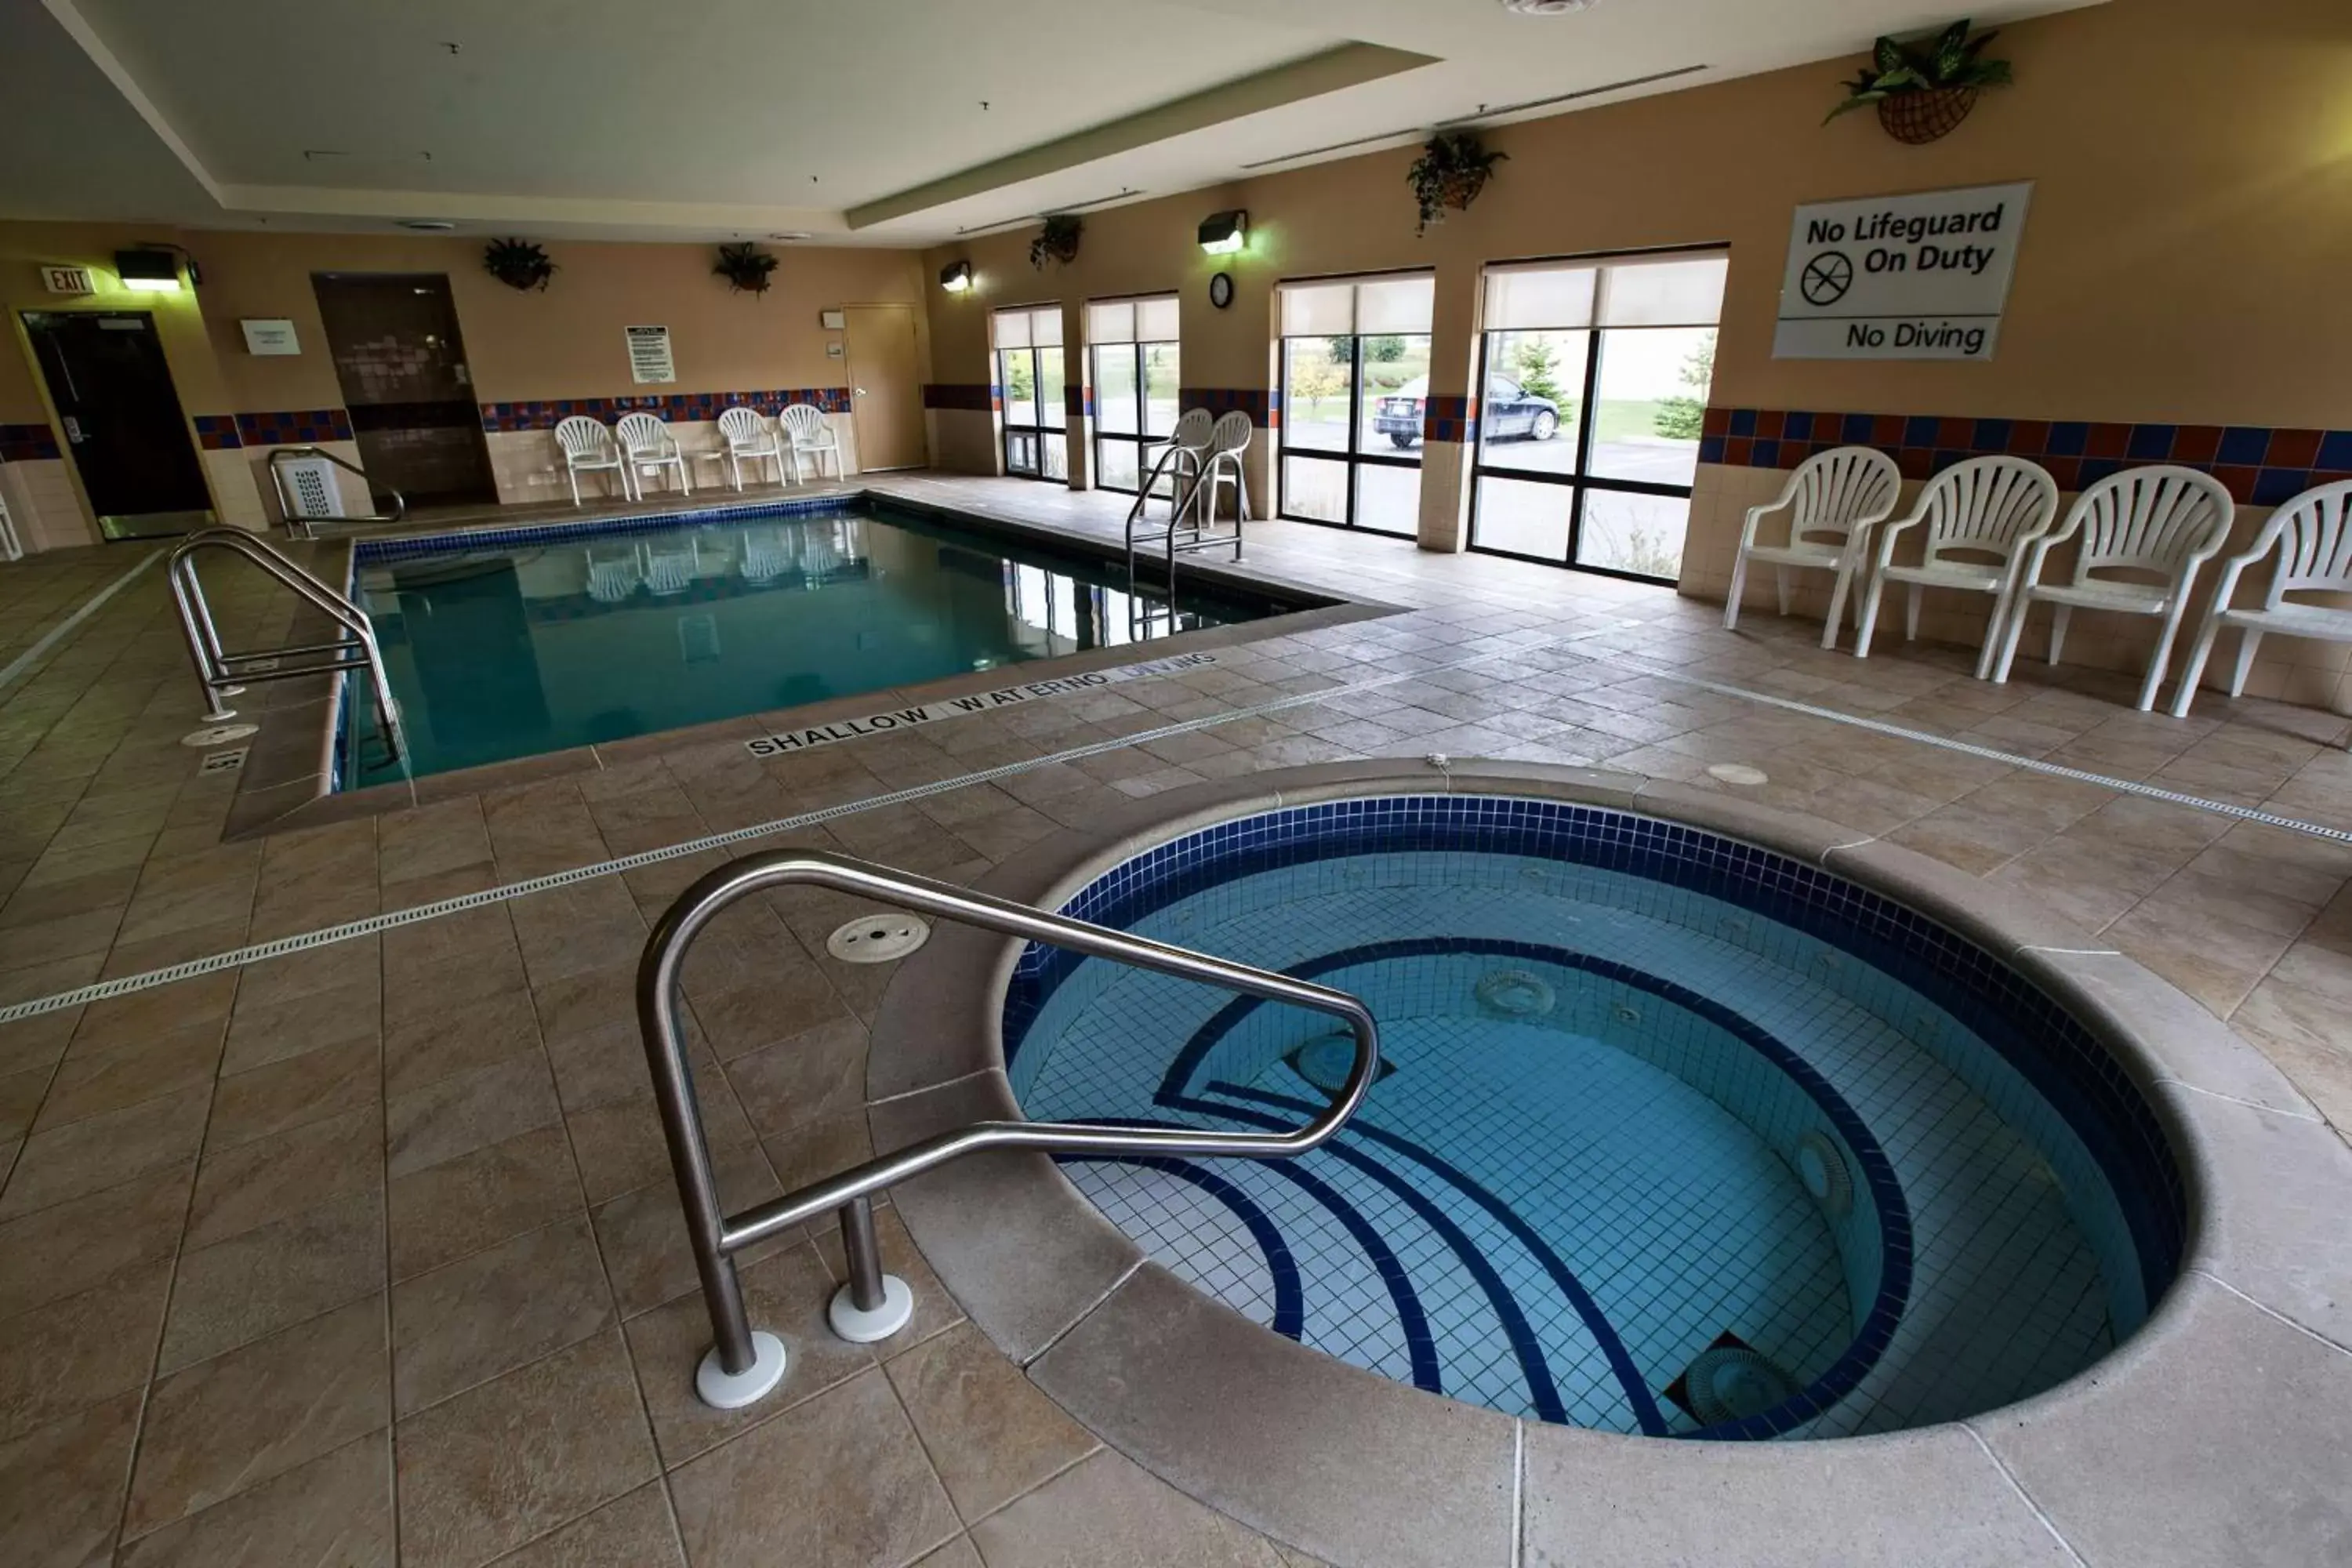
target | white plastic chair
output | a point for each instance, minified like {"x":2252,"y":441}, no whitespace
{"x":1834,"y":500}
{"x":2313,"y":536}
{"x":670,"y":569}
{"x":10,"y":547}
{"x":2160,"y":522}
{"x":613,"y":574}
{"x":766,"y":556}
{"x":587,"y":448}
{"x":647,"y":447}
{"x":1229,"y":438}
{"x":747,"y":434}
{"x":1980,"y":515}
{"x":1189,"y":443}
{"x":812,"y":437}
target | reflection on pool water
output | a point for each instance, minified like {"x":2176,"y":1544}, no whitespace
{"x":535,"y":641}
{"x":1674,"y":1136}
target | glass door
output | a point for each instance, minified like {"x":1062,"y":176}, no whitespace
{"x":1133,"y":342}
{"x":1355,"y":388}
{"x":1595,"y":379}
{"x":1030,"y":389}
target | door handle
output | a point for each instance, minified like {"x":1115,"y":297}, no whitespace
{"x":73,"y":428}
{"x":861,"y":392}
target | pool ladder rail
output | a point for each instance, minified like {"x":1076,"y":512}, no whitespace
{"x":743,"y":1364}
{"x":225,"y":674}
{"x":301,"y":526}
{"x":1191,"y":525}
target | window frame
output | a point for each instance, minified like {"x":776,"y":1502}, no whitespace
{"x":1007,"y":429}
{"x":1578,"y":481}
{"x":1355,"y":457}
{"x":1140,"y":437}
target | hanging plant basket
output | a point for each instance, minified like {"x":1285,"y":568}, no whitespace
{"x":1922,"y":91}
{"x":1057,"y":241}
{"x":517,"y":263}
{"x":1919,"y":118}
{"x":1452,"y":168}
{"x":745,"y":266}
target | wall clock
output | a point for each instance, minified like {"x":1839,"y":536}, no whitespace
{"x":1220,"y":290}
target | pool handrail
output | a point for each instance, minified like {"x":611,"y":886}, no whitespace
{"x":737,"y":1369}
{"x":302,"y":527}
{"x":221,"y":673}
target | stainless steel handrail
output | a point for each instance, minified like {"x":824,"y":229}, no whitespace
{"x":741,"y":1368}
{"x":1179,"y":499}
{"x":221,"y":673}
{"x":300,"y":526}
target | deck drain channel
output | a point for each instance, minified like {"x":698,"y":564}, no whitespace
{"x":509,"y":892}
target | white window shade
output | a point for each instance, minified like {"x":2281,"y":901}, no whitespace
{"x":1046,"y":326}
{"x":1376,"y":307}
{"x":1151,"y":320}
{"x":1013,"y":329}
{"x":1155,"y":320}
{"x":1686,"y":291}
{"x":1318,"y":310}
{"x":1539,"y":299}
{"x":1113,"y":322}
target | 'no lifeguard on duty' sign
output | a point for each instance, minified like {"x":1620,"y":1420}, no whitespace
{"x":1920,"y":277}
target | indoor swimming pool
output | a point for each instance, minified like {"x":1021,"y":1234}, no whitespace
{"x":1673,"y":1135}
{"x":525,"y":641}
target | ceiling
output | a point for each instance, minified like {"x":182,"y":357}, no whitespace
{"x":872,"y":121}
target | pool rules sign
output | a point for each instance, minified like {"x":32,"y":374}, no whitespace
{"x":1920,"y":277}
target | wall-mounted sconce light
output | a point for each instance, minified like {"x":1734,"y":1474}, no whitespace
{"x":1222,"y":234}
{"x":956,"y":277}
{"x":148,"y":271}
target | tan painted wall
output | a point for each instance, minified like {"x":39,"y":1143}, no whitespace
{"x":565,"y":341}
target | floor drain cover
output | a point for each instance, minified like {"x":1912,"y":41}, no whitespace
{"x":219,"y":733}
{"x":1737,"y":774}
{"x":878,"y":939}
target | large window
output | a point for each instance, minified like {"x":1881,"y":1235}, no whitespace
{"x":1594,"y":380}
{"x":1355,"y":385}
{"x":1029,"y":381}
{"x":1134,"y":346}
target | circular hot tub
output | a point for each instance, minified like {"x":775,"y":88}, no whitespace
{"x":1675,"y":1135}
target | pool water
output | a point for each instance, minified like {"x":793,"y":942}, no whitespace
{"x":506,"y":650}
{"x":1643,"y":1159}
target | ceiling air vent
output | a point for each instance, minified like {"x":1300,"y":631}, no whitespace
{"x":1548,"y":8}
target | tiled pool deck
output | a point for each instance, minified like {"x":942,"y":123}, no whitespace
{"x":368,"y":1253}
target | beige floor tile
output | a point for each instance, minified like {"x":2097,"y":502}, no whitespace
{"x":804,"y":1078}
{"x":844,"y":1482}
{"x":281,"y":1096}
{"x":91,"y":1085}
{"x":443,"y":1212}
{"x":505,"y":1463}
{"x":991,"y":1434}
{"x":468,"y":1111}
{"x":223,"y":1426}
{"x":70,"y":1247}
{"x":643,"y":1232}
{"x":426,"y":1046}
{"x":784,"y":1295}
{"x":1109,"y":1512}
{"x":260,"y":1280}
{"x":636,"y":1531}
{"x":104,"y":1150}
{"x":61,"y":1486}
{"x":337,"y":1014}
{"x":486,"y":1314}
{"x":283,"y":1175}
{"x":335,"y":1512}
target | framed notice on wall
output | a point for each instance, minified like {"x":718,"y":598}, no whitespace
{"x":649,"y":357}
{"x":1917,"y":276}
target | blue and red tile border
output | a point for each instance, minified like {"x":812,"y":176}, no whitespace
{"x":2260,"y":464}
{"x":1449,"y":418}
{"x":288,"y":427}
{"x":1260,"y":405}
{"x":27,"y":444}
{"x":683,"y":406}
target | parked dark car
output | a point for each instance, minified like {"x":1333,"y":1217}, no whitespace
{"x":1508,"y":409}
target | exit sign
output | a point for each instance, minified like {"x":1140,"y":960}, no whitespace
{"x":66,"y":280}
